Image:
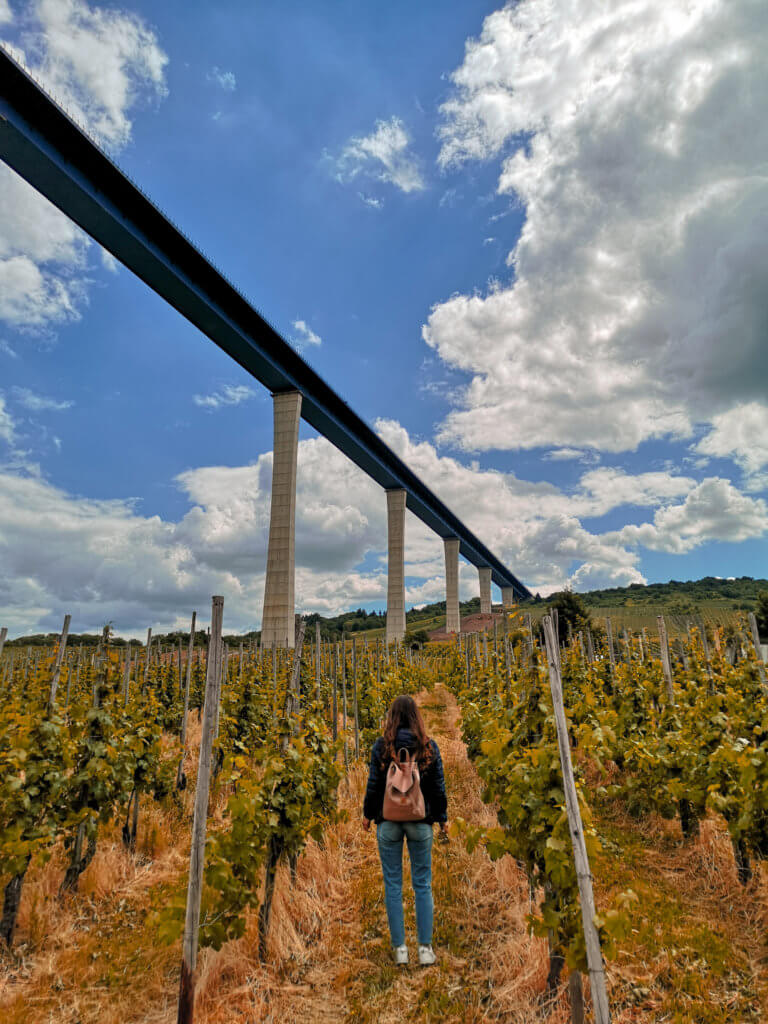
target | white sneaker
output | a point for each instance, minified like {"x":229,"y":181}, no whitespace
{"x":401,"y":955}
{"x":426,"y":956}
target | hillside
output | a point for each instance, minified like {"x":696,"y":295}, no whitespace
{"x":636,"y":606}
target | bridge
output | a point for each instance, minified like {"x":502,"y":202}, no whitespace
{"x":49,"y":150}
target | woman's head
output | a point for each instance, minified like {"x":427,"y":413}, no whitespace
{"x":404,"y":714}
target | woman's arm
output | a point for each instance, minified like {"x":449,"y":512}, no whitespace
{"x":374,"y":791}
{"x":439,"y":801}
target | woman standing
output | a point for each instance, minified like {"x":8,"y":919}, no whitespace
{"x":404,"y":728}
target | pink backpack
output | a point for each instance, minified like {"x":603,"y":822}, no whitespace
{"x":403,"y":799}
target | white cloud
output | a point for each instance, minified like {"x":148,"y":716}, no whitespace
{"x":99,"y":64}
{"x":371,"y":201}
{"x":740,"y":434}
{"x":104,"y":560}
{"x":39,"y":403}
{"x":601,"y":490}
{"x":31,"y":298}
{"x":6,"y":14}
{"x":42,"y":257}
{"x":384,"y":155}
{"x":7,"y":428}
{"x":714,"y":510}
{"x":6,"y":349}
{"x":307,"y":335}
{"x":109,"y":262}
{"x":225,"y":79}
{"x":568,"y":454}
{"x":533,"y":527}
{"x":229,"y":394}
{"x":633,"y":135}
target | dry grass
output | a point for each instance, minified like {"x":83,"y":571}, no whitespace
{"x":697,"y":953}
{"x":95,"y":958}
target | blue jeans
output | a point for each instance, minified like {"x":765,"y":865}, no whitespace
{"x":389,"y":835}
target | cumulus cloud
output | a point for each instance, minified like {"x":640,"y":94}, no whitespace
{"x":104,"y":559}
{"x":230,"y":394}
{"x":571,"y":454}
{"x":383,"y":155}
{"x":40,"y":403}
{"x":306,"y":335}
{"x":633,"y":135}
{"x":33,"y":297}
{"x":99,"y":64}
{"x":714,"y":510}
{"x":225,"y":79}
{"x":7,"y":429}
{"x":740,"y":434}
{"x":601,"y":490}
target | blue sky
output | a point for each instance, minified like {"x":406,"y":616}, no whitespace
{"x":526,"y":249}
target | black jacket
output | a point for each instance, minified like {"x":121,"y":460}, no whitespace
{"x":432,"y":780}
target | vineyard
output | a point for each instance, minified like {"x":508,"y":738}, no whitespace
{"x":113,"y":760}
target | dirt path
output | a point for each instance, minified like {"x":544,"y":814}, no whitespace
{"x":488,"y":967}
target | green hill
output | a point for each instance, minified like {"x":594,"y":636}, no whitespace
{"x":716,"y":601}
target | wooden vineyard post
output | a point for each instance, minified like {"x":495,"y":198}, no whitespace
{"x":469,"y":669}
{"x":681,"y":654}
{"x":707,"y":657}
{"x":575,"y":826}
{"x":590,"y":648}
{"x":354,"y":699}
{"x":317,"y":660}
{"x":292,"y":698}
{"x":665,"y":659}
{"x":146,"y":662}
{"x":59,"y":660}
{"x":529,"y":627}
{"x":344,"y":696}
{"x":180,"y":777}
{"x":126,"y":675}
{"x":335,"y":701}
{"x":188,"y":981}
{"x":274,"y":681}
{"x":3,"y":635}
{"x":758,"y":652}
{"x":611,"y":655}
{"x":77,"y":678}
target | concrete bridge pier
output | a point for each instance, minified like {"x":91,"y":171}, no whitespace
{"x":277,"y":621}
{"x":395,"y":566}
{"x":485,"y":589}
{"x":507,"y":597}
{"x":452,"y":616}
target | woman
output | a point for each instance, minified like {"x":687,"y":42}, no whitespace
{"x":404,"y":728}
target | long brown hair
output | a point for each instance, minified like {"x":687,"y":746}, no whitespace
{"x":404,"y":714}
